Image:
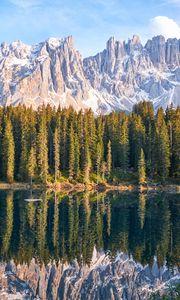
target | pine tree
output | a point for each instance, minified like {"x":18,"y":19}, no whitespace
{"x":124,"y":143}
{"x":98,"y":158}
{"x":162,"y":157}
{"x":137,"y":138}
{"x":76,"y":156}
{"x":109,"y":158}
{"x":173,"y":124}
{"x":100,"y":146}
{"x":56,"y":142}
{"x":1,"y":135}
{"x":63,"y":146}
{"x":24,"y":147}
{"x":31,"y":164}
{"x":176,"y":144}
{"x":141,"y":168}
{"x":92,"y":134}
{"x":71,"y":153}
{"x":87,"y":162}
{"x":8,"y":151}
{"x":42,"y":148}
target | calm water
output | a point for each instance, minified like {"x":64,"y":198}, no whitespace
{"x":68,"y":227}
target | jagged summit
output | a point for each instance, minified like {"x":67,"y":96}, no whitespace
{"x":105,"y":278}
{"x":124,"y":73}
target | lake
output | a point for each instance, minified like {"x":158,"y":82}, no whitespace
{"x":88,"y":245}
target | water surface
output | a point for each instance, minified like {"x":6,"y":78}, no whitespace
{"x":69,"y":227}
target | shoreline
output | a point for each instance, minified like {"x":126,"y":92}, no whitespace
{"x":80,"y":187}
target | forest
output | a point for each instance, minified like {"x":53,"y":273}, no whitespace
{"x":50,"y":145}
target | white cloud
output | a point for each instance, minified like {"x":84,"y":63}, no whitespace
{"x":25,"y":3}
{"x":165,"y":26}
{"x":175,"y":2}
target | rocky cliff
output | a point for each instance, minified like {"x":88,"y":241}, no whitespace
{"x":124,"y":73}
{"x":120,"y":278}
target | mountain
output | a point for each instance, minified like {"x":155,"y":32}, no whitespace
{"x":105,"y":278}
{"x":124,"y":73}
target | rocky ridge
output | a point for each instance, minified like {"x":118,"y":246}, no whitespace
{"x":124,"y":73}
{"x":105,"y":278}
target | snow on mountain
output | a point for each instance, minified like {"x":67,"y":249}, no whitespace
{"x":105,"y":278}
{"x":115,"y":79}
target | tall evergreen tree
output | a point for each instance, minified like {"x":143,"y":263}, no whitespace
{"x":162,"y":157}
{"x":24,"y":147}
{"x":124,"y":143}
{"x":76,"y":156}
{"x":141,"y":168}
{"x":31,"y":164}
{"x":56,"y":142}
{"x":109,"y":158}
{"x":176,"y":144}
{"x":42,"y":148}
{"x":8,"y":151}
{"x":173,"y":125}
{"x":87,"y":162}
{"x":98,"y":158}
{"x":71,"y":153}
{"x":137,"y":138}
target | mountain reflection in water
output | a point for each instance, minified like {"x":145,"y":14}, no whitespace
{"x":68,"y":229}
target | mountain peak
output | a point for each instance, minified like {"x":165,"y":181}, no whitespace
{"x":136,"y":39}
{"x":115,"y":79}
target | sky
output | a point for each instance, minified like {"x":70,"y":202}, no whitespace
{"x":90,"y":22}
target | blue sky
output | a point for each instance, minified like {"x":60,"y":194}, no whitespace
{"x":91,"y":22}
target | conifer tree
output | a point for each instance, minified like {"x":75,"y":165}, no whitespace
{"x":46,"y":139}
{"x":137,"y":138}
{"x":109,"y":158}
{"x":124,"y":143}
{"x":31,"y":164}
{"x":24,"y":148}
{"x":87,"y":162}
{"x":92,"y":134}
{"x":56,"y":142}
{"x":8,"y":151}
{"x":42,"y":148}
{"x":162,"y":156}
{"x":63,"y":146}
{"x":173,"y":124}
{"x":176,"y":144}
{"x":1,"y":135}
{"x":76,"y":156}
{"x":71,"y":153}
{"x":98,"y":158}
{"x":141,"y":168}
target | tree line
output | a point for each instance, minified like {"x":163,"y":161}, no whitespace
{"x":49,"y":144}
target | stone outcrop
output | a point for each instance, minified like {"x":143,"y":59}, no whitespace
{"x":105,"y":278}
{"x":115,"y":79}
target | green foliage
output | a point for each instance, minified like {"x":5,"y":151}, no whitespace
{"x":162,"y":151}
{"x":109,"y":158}
{"x":141,"y":168}
{"x":42,"y":148}
{"x":8,"y":151}
{"x":120,"y":176}
{"x":43,"y":144}
{"x":56,"y":154}
{"x":32,"y":165}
